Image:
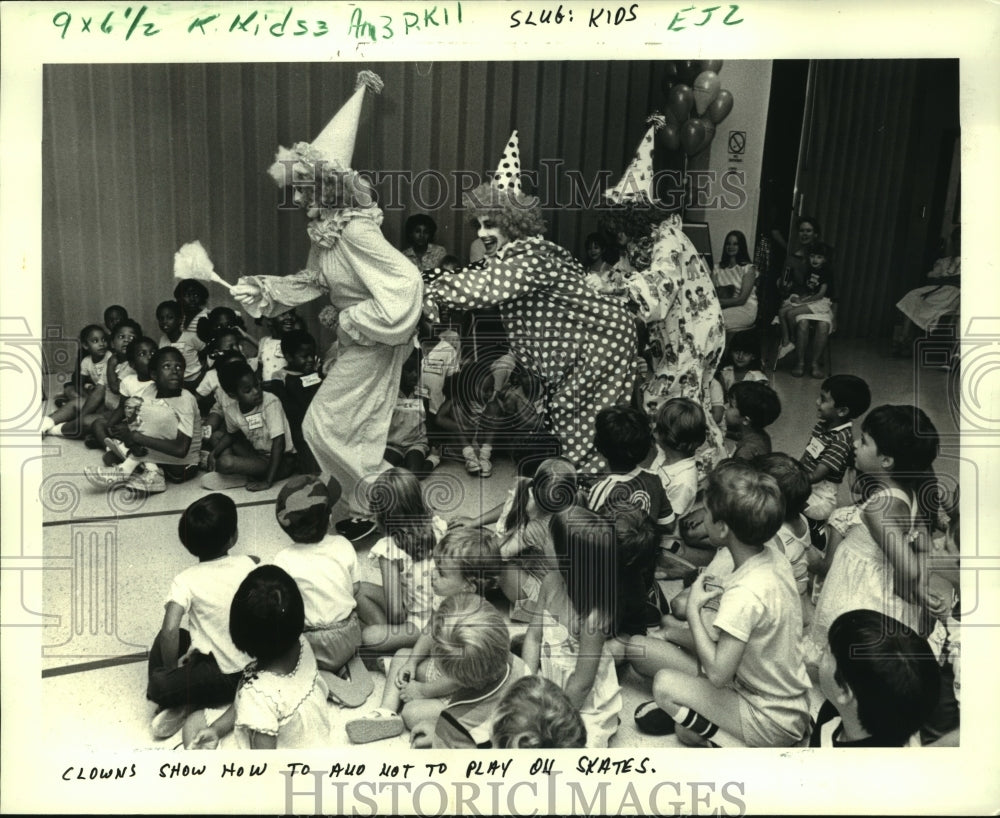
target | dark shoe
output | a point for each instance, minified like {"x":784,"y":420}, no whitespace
{"x":653,"y":721}
{"x":92,"y":442}
{"x":356,"y":528}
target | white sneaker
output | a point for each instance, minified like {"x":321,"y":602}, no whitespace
{"x":485,"y":467}
{"x":105,"y":476}
{"x":168,"y":721}
{"x":785,"y":349}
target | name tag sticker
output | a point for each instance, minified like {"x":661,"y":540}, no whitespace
{"x":815,"y":447}
{"x":255,"y":421}
{"x":311,"y":380}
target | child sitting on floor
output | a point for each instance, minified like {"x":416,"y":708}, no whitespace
{"x":281,"y":698}
{"x":830,"y":452}
{"x":536,"y":714}
{"x":295,"y":385}
{"x":272,"y":359}
{"x":752,"y":407}
{"x":407,"y":444}
{"x":466,"y":561}
{"x":472,"y":646}
{"x":741,"y":362}
{"x":91,"y":366}
{"x":880,"y":680}
{"x":257,"y":449}
{"x":160,"y":434}
{"x":76,"y":418}
{"x":576,"y":615}
{"x":169,"y":318}
{"x":756,"y":688}
{"x":325,"y":567}
{"x":623,"y":438}
{"x":199,"y":666}
{"x":394,"y":613}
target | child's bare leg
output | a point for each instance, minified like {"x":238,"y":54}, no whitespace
{"x":420,"y":710}
{"x":371,"y":604}
{"x":383,"y":639}
{"x":676,"y":691}
{"x":648,"y":656}
{"x":390,"y":693}
{"x":241,"y":459}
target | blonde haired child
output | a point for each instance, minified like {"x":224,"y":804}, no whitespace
{"x":536,"y":714}
{"x":466,"y":561}
{"x":393,"y":614}
{"x":471,"y":644}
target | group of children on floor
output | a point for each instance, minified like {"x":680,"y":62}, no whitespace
{"x":731,"y":657}
{"x":193,"y":400}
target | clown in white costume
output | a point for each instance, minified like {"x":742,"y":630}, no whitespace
{"x":375,"y":290}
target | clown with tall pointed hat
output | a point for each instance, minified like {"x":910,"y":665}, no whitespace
{"x":579,"y":343}
{"x":375,"y":291}
{"x":670,"y":289}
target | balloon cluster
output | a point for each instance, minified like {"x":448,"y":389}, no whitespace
{"x":694,"y":84}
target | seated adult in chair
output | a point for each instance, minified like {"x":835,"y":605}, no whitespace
{"x":815,"y":306}
{"x":735,"y":282}
{"x":930,"y":306}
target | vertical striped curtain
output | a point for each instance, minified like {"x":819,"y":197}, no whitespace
{"x":854,"y":177}
{"x":139,"y":159}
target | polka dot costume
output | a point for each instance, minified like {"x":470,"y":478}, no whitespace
{"x":580,"y":343}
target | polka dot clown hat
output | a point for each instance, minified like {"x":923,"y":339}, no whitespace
{"x":508,"y":173}
{"x":637,"y":181}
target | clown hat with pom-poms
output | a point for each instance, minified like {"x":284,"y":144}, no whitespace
{"x":637,"y":181}
{"x":335,"y":144}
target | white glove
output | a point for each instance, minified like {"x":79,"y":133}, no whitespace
{"x":245,"y":293}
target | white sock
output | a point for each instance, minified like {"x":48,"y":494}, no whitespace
{"x":47,"y":425}
{"x":58,"y":429}
{"x":434,"y":460}
{"x":130,"y":465}
{"x":468,"y":453}
{"x":485,"y":451}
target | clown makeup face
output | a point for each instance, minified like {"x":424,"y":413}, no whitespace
{"x":493,"y":237}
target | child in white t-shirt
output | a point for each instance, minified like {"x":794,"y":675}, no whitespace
{"x":257,"y":449}
{"x":325,"y":567}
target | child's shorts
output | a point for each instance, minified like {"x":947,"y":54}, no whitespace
{"x":822,"y":501}
{"x":335,"y":644}
{"x":771,"y":722}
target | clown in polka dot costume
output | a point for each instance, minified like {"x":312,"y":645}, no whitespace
{"x":581,"y":344}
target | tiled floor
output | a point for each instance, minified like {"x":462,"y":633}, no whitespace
{"x":111,"y":563}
